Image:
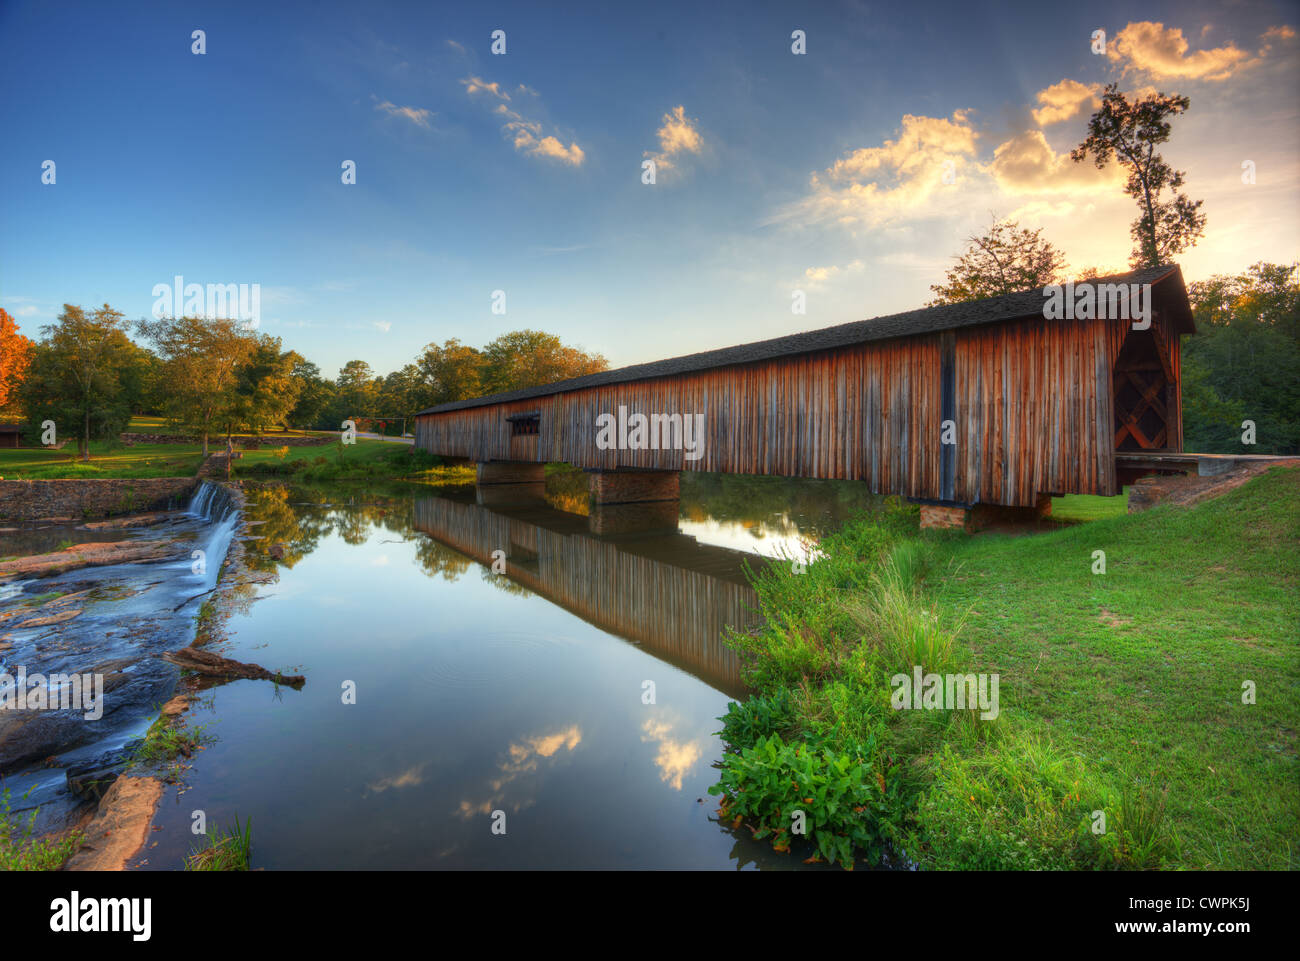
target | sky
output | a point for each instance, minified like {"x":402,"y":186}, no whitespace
{"x":522,"y":171}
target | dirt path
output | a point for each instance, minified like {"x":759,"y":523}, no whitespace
{"x":1190,"y":489}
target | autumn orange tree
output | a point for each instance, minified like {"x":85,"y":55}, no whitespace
{"x":15,"y":358}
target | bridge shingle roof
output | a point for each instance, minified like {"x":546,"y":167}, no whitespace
{"x":925,"y":320}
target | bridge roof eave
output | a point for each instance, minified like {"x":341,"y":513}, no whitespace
{"x":1166,"y":279}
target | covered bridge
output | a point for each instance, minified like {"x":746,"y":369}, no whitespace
{"x":1003,"y":401}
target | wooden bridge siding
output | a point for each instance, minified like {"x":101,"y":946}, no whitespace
{"x":1033,"y":407}
{"x":817,"y":415}
{"x":675,"y":611}
{"x":1030,"y":399}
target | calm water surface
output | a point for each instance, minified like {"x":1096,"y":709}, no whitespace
{"x":477,"y":691}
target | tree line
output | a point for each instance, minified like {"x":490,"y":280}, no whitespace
{"x":212,"y":378}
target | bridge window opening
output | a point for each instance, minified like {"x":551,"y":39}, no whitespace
{"x":525,"y":425}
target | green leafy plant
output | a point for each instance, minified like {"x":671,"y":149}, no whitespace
{"x":757,"y":717}
{"x":839,"y":796}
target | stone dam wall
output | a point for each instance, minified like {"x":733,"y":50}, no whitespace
{"x":79,"y":499}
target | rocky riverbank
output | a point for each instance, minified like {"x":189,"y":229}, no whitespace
{"x":86,"y":628}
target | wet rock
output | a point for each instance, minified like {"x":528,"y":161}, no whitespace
{"x":92,"y":778}
{"x":134,"y":520}
{"x":131,"y":689}
{"x":120,"y":827}
{"x":85,"y":555}
{"x":49,"y":619}
{"x":27,"y":736}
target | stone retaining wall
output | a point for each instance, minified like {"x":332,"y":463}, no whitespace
{"x":80,"y":499}
{"x":130,"y":440}
{"x":215,"y":441}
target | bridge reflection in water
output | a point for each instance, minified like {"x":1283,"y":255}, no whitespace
{"x":654,"y":586}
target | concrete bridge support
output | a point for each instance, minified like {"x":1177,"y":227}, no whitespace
{"x":634,"y":501}
{"x":510,"y":472}
{"x":510,"y":484}
{"x":980,"y":516}
{"x":634,"y":486}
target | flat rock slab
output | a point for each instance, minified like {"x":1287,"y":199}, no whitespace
{"x":135,"y":520}
{"x":85,"y":555}
{"x":49,"y":619}
{"x":121,"y":826}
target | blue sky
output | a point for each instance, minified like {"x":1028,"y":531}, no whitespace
{"x":522,"y":172}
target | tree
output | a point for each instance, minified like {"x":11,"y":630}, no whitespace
{"x":1007,"y":259}
{"x":1129,"y":133}
{"x":448,"y":373}
{"x":202,"y":359}
{"x":314,"y":393}
{"x":265,"y":391}
{"x":15,"y":358}
{"x":75,"y":377}
{"x":400,"y":393}
{"x":1244,"y":362}
{"x":527,"y":358}
{"x":357,"y":393}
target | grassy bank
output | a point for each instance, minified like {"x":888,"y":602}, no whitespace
{"x":1120,"y":693}
{"x":107,"y":461}
{"x":365,"y":460}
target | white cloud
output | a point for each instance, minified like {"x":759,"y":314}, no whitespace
{"x":527,"y":135}
{"x":1027,"y":164}
{"x":416,"y":115}
{"x":817,"y":277}
{"x":1063,"y":100}
{"x":1162,"y":53}
{"x":678,"y":135}
{"x":903,"y":178}
{"x":475,"y":85}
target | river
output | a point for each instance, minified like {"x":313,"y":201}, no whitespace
{"x":488,"y":685}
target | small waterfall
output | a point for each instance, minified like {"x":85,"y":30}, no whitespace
{"x":217,"y":508}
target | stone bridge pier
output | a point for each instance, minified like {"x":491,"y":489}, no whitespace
{"x":623,"y":501}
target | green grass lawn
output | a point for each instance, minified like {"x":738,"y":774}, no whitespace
{"x":1140,"y":670}
{"x":146,"y":460}
{"x":1120,"y":693}
{"x":143,"y":424}
{"x":1086,"y":507}
{"x":325,"y":461}
{"x":364,"y":460}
